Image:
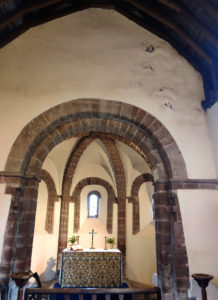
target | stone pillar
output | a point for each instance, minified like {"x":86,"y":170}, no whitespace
{"x":121,"y":224}
{"x":178,"y":249}
{"x":163,"y":248}
{"x":172,"y":261}
{"x":76,"y":214}
{"x":18,"y":238}
{"x":49,"y":222}
{"x":109,"y":215}
{"x":135,"y":216}
{"x":63,"y":228}
{"x":121,"y":232}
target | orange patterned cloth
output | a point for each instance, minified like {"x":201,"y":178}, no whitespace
{"x":91,"y":269}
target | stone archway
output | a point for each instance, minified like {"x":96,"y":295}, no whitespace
{"x":63,"y":230}
{"x":142,"y":132}
{"x":116,"y":164}
{"x":52,"y":197}
{"x":135,"y":200}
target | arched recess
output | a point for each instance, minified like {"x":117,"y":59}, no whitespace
{"x":128,"y":123}
{"x":52,"y":197}
{"x":119,"y":175}
{"x":111,"y":199}
{"x":75,"y":198}
{"x":135,"y":200}
{"x":69,"y":172}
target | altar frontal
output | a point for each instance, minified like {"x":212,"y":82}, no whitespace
{"x":91,"y":268}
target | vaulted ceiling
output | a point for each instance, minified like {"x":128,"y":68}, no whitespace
{"x":190,"y":26}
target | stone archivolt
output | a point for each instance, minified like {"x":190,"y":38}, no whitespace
{"x":109,"y":120}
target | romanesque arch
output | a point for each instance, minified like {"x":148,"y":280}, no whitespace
{"x":83,"y":117}
{"x":75,"y":198}
{"x":52,"y":197}
{"x":135,"y":200}
{"x":111,"y":199}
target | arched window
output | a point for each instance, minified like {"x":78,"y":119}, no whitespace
{"x":93,"y":204}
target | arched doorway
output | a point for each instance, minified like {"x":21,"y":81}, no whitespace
{"x":111,"y":120}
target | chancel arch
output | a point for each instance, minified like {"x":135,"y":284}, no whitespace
{"x":138,"y":129}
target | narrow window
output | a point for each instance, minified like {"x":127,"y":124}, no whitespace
{"x":93,"y":204}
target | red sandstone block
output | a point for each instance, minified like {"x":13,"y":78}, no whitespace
{"x":164,"y":260}
{"x":162,"y":226}
{"x":5,"y":272}
{"x":126,"y":110}
{"x":148,"y":119}
{"x":161,"y":198}
{"x":7,"y":254}
{"x":177,"y":228}
{"x":28,"y":204}
{"x":183,"y":283}
{"x":10,"y":190}
{"x":11,"y":228}
{"x":182,"y":271}
{"x":22,"y":265}
{"x":161,"y":213}
{"x":30,"y":192}
{"x":164,"y":238}
{"x":23,"y":253}
{"x":26,"y":228}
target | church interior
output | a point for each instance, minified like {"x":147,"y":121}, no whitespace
{"x":116,"y":100}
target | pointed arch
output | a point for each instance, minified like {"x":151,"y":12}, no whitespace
{"x":69,"y":172}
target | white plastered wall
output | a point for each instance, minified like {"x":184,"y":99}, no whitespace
{"x":212,"y":120}
{"x":199,"y":210}
{"x":73,"y":57}
{"x":44,"y":254}
{"x":141,"y":248}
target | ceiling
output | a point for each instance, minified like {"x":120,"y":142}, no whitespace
{"x":94,"y":162}
{"x":190,"y":26}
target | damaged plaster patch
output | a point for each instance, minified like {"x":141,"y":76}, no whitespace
{"x":150,"y":49}
{"x":148,"y":67}
{"x":167,"y":100}
{"x":168,"y":105}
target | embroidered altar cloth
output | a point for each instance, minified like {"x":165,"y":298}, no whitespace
{"x":91,"y":268}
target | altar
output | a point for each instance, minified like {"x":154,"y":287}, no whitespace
{"x":90,"y":268}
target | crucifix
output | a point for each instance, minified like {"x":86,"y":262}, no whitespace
{"x":92,"y":233}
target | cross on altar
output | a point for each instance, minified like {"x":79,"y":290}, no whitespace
{"x":92,"y":233}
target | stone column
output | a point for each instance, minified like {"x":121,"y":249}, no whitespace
{"x":18,"y":238}
{"x":63,"y":228}
{"x":49,"y":222}
{"x":172,"y":261}
{"x":109,"y":215}
{"x":121,"y":232}
{"x":76,"y":214}
{"x":135,"y":216}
